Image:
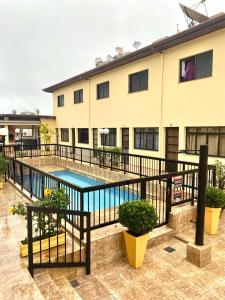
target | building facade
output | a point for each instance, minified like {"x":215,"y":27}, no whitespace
{"x":157,"y":101}
{"x":25,"y":129}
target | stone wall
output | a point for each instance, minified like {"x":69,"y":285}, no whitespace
{"x":182,"y":217}
{"x":91,"y":170}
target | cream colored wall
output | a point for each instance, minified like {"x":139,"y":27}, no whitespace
{"x":166,"y":103}
{"x":121,"y":109}
{"x":72,"y":115}
{"x":198,"y":102}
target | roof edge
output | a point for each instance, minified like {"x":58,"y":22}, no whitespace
{"x":215,"y":23}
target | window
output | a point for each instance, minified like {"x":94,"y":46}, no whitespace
{"x":196,"y":67}
{"x":103,"y":90}
{"x":83,"y":137}
{"x":27,"y":132}
{"x":60,"y":100}
{"x":146,"y":138}
{"x":64,"y":134}
{"x":78,"y":96}
{"x":213,"y":136}
{"x":138,"y":81}
{"x":110,"y":139}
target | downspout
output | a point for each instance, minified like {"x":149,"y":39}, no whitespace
{"x":162,"y":133}
{"x":89,"y":109}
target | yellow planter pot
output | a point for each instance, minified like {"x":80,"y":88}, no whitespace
{"x":212,"y":216}
{"x":44,"y":244}
{"x":136,"y":248}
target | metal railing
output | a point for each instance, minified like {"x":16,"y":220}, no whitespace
{"x":102,"y":201}
{"x":64,"y":248}
{"x":143,"y":166}
{"x":96,"y":206}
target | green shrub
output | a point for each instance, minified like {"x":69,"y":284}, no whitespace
{"x":220,"y":174}
{"x":45,"y":224}
{"x":3,"y":165}
{"x":139,"y":217}
{"x":215,"y":197}
{"x":116,"y":151}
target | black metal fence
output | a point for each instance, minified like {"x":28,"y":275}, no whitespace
{"x":96,"y":206}
{"x":143,"y":166}
{"x":102,"y":201}
{"x":61,"y":249}
{"x":161,"y":191}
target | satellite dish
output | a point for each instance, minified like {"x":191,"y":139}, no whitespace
{"x":192,"y":16}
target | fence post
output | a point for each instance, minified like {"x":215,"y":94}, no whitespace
{"x":29,"y":238}
{"x":103,"y":158}
{"x":124,"y":163}
{"x":88,"y":246}
{"x":143,"y":189}
{"x":73,"y":153}
{"x":202,"y":182}
{"x":57,"y":149}
{"x":42,"y":186}
{"x":193,"y":189}
{"x":81,"y":216}
{"x":21,"y":175}
{"x":81,"y":156}
{"x":14,"y":171}
{"x":31,"y":185}
{"x":140,"y":166}
{"x":168,"y":197}
{"x":111,"y":160}
{"x":160,"y":166}
{"x":214,"y":176}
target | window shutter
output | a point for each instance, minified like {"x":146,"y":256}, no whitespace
{"x":103,"y":90}
{"x":203,"y":67}
{"x":139,"y":81}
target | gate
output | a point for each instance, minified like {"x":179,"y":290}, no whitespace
{"x":57,"y":243}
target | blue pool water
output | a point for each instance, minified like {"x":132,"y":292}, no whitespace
{"x":95,"y":200}
{"x":77,"y":179}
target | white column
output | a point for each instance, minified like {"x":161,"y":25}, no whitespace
{"x":7,"y":136}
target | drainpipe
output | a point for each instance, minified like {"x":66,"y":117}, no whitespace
{"x":89,"y":109}
{"x":162,"y":133}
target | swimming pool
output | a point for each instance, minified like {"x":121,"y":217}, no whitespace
{"x":95,"y":200}
{"x":77,"y":179}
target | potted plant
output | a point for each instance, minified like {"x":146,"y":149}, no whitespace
{"x":215,"y":200}
{"x":140,"y":218}
{"x":3,"y":168}
{"x":43,"y":227}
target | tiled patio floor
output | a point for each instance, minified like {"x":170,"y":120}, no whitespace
{"x":15,"y":280}
{"x":163,"y":276}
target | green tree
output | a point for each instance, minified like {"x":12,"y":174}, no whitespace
{"x":46,"y":134}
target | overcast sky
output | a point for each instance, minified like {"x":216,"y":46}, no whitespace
{"x":46,"y":41}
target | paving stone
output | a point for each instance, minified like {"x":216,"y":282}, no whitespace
{"x":163,"y":276}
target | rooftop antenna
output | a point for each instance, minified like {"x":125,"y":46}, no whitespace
{"x":192,"y":16}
